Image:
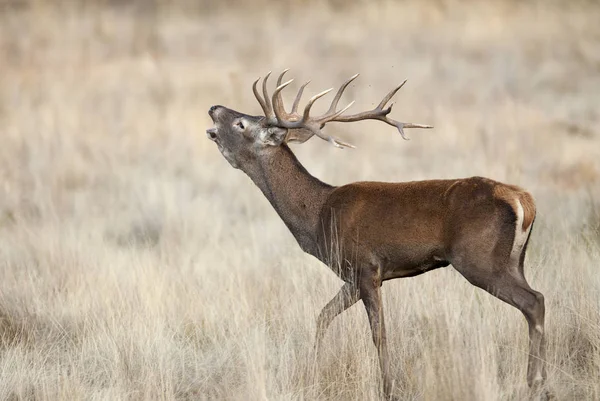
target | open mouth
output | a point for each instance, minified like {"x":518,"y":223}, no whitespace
{"x":211,"y":133}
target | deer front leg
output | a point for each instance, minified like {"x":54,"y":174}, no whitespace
{"x":370,"y":293}
{"x":345,"y":298}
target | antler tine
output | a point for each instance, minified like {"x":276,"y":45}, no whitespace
{"x":327,"y":118}
{"x":400,"y":126}
{"x":413,"y":125}
{"x":278,"y":108}
{"x":306,"y":115}
{"x":281,"y":76}
{"x":277,"y":102}
{"x":389,"y":96}
{"x":315,"y":130}
{"x":298,"y":97}
{"x":261,"y":101}
{"x":340,"y":144}
{"x":339,"y":93}
{"x":269,"y":107}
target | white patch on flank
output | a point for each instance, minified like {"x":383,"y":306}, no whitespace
{"x":520,"y":234}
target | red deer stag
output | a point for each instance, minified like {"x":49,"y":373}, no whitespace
{"x":370,"y":232}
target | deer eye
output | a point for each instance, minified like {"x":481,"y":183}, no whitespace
{"x":240,"y":124}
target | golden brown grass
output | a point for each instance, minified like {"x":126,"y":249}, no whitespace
{"x":136,"y":264}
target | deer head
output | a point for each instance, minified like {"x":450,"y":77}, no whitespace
{"x":242,"y":138}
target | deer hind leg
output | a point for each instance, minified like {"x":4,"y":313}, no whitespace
{"x":517,"y":292}
{"x":370,"y":293}
{"x":510,"y":286}
{"x":493,"y":260}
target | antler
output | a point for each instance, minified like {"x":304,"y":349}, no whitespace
{"x":276,"y":114}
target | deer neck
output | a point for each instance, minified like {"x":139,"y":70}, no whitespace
{"x":297,"y":196}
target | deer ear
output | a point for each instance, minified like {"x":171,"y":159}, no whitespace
{"x":273,"y":136}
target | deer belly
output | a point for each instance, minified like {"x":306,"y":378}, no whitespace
{"x":411,"y":263}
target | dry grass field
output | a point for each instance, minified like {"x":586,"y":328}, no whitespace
{"x":137,"y":264}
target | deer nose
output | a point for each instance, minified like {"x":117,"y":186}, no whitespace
{"x":212,"y":110}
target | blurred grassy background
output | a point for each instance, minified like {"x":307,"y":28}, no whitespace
{"x":137,"y":264}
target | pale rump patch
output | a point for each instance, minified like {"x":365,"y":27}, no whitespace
{"x":520,"y":234}
{"x":524,"y":207}
{"x":510,"y":193}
